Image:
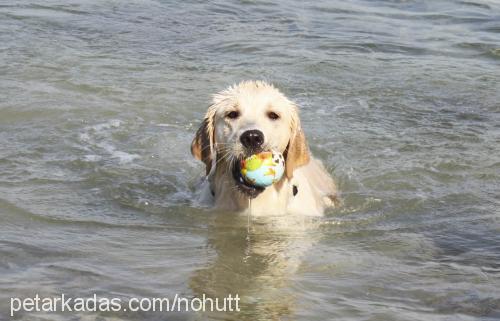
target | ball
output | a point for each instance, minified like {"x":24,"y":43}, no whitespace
{"x":263,"y":169}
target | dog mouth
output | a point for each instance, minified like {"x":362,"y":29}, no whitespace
{"x":243,"y":187}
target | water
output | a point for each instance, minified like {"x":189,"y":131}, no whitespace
{"x":99,"y":101}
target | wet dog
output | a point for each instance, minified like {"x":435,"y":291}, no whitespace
{"x":249,"y":118}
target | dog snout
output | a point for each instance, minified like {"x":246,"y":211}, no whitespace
{"x":252,"y":139}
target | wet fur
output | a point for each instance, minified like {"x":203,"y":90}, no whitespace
{"x":216,"y":143}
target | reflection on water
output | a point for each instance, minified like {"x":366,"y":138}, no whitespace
{"x":256,"y":258}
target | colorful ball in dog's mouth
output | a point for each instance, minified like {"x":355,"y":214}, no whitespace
{"x":263,"y":169}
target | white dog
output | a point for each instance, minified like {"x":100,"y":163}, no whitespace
{"x":251,"y":117}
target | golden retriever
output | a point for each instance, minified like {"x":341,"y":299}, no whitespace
{"x":250,"y":117}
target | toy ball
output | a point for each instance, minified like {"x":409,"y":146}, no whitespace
{"x":263,"y":169}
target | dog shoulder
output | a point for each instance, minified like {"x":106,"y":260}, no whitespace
{"x":314,"y":188}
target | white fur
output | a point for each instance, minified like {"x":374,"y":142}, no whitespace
{"x":220,"y":136}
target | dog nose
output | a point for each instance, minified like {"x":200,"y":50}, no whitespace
{"x":252,"y":138}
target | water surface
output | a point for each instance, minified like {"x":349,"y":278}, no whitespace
{"x":99,"y":101}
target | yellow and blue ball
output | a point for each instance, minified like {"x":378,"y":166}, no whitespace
{"x":263,"y":169}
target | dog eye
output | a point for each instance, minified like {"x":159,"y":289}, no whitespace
{"x":272,"y":115}
{"x":233,"y":114}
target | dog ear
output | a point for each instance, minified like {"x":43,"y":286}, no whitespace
{"x":202,"y":146}
{"x":297,"y":152}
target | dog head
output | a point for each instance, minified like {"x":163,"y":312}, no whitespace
{"x":245,"y":119}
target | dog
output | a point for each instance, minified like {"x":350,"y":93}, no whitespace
{"x":252,"y":117}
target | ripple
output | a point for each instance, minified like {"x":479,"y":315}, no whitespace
{"x":99,"y":102}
